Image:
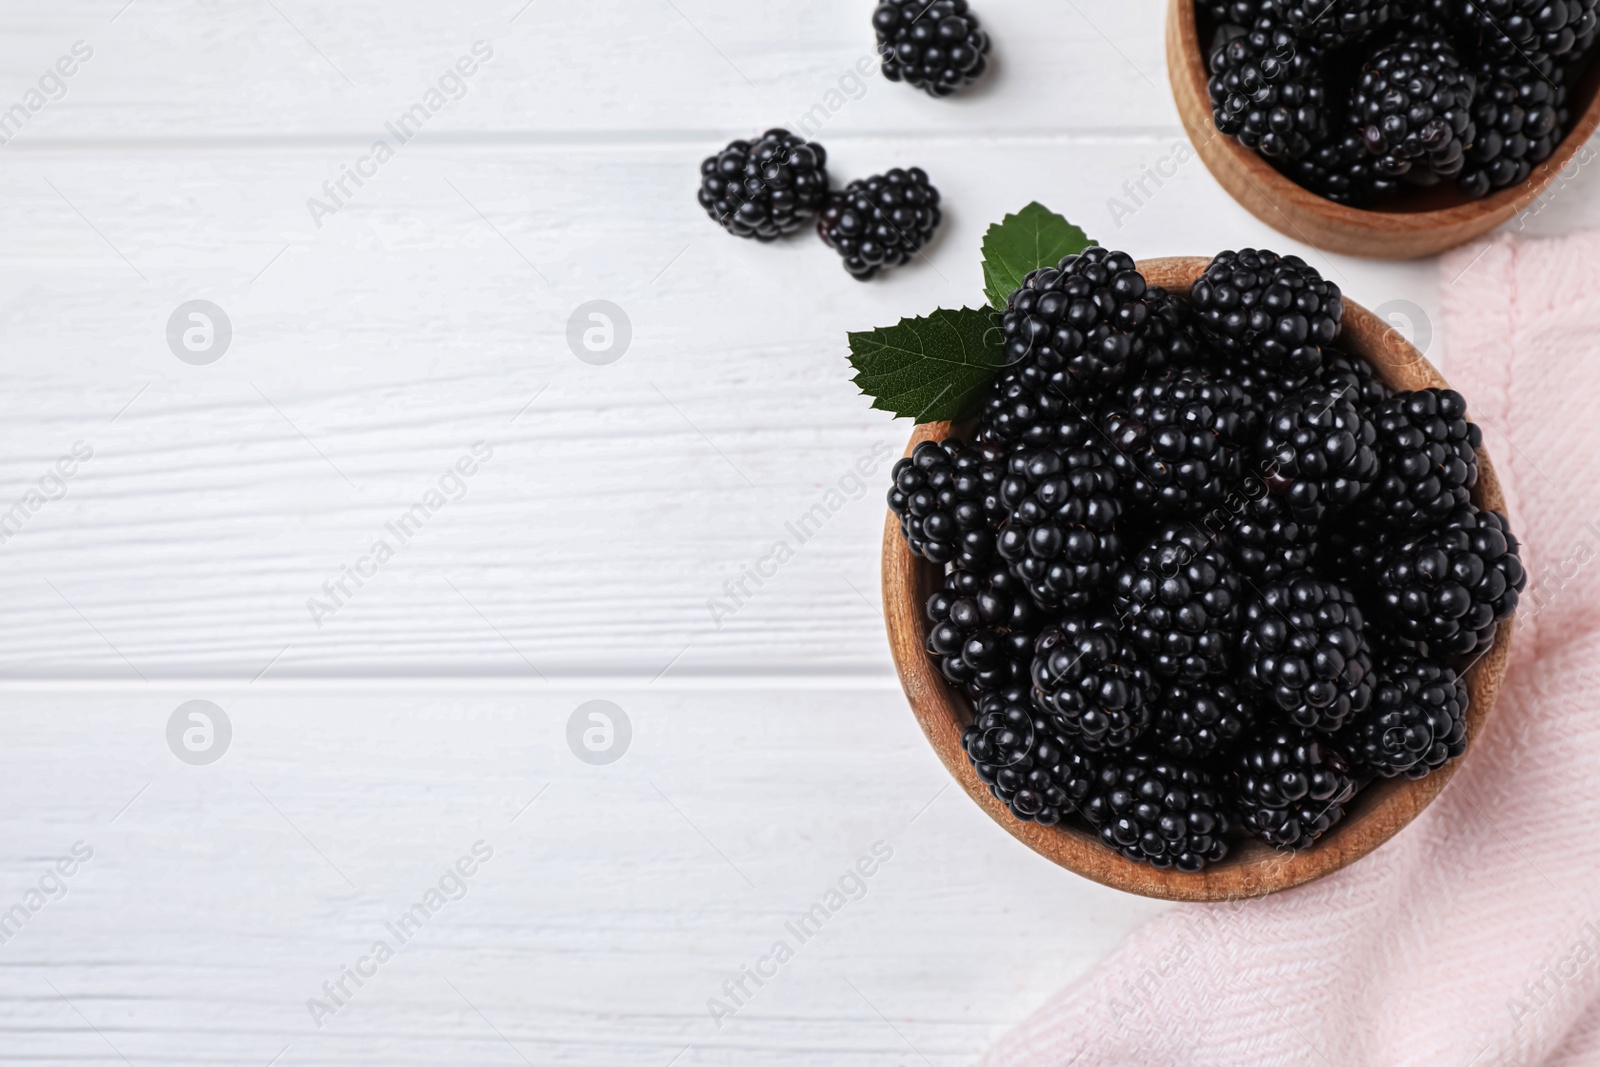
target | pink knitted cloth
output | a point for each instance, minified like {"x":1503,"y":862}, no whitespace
{"x":1473,"y":938}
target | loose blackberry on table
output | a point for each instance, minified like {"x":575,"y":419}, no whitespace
{"x":881,"y":221}
{"x":1205,"y":575}
{"x":938,"y":47}
{"x":766,"y":188}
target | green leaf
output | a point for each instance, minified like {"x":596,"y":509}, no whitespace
{"x":1032,"y":238}
{"x":930,"y":369}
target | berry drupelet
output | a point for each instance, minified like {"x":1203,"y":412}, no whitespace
{"x":1417,"y":722}
{"x":1290,"y":787}
{"x":1091,"y":685}
{"x":1316,"y":450}
{"x":1274,"y":309}
{"x":1178,"y":441}
{"x":881,"y":221}
{"x":1026,"y":763}
{"x":1428,"y":454}
{"x":1448,"y":588}
{"x":1413,"y":103}
{"x":983,"y":626}
{"x":1160,"y":811}
{"x":1078,"y":324}
{"x":937,"y":47}
{"x":1199,"y":720}
{"x":1060,"y":534}
{"x":1178,"y":602}
{"x":1303,"y":651}
{"x":765,"y":189}
{"x":1266,"y":91}
{"x":946,"y":495}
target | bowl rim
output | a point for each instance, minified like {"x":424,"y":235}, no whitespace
{"x":1252,"y":869}
{"x":1382,"y":233}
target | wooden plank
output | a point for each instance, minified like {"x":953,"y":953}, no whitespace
{"x":216,"y":900}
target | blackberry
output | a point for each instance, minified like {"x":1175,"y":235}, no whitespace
{"x":767,"y":188}
{"x":1428,"y":452}
{"x":1303,"y":651}
{"x":1417,"y":722}
{"x":1199,"y":720}
{"x":1316,"y":449}
{"x":1090,"y":684}
{"x":1169,"y":340}
{"x":1290,"y":787}
{"x":1328,"y":24}
{"x":1060,"y":535}
{"x":1349,"y":546}
{"x":1341,"y":169}
{"x":1178,"y":601}
{"x":1413,"y":103}
{"x":946,"y":495}
{"x":1019,"y":410}
{"x":881,"y":221}
{"x":1027,"y":764}
{"x":937,"y":47}
{"x":983,"y":628}
{"x":1536,"y":31}
{"x":1448,"y":588}
{"x":1265,"y":540}
{"x":1160,"y":811}
{"x":1238,"y":12}
{"x":1078,"y":324}
{"x":1179,"y":441}
{"x":1275,"y":309}
{"x":1266,"y":91}
{"x":1264,"y":387}
{"x":1352,"y":377}
{"x":1520,"y":115}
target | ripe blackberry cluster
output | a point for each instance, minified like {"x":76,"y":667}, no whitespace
{"x":776,"y":185}
{"x":937,"y":47}
{"x":1205,"y":575}
{"x":1361,"y":99}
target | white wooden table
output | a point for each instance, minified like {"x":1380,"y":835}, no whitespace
{"x":381,"y":733}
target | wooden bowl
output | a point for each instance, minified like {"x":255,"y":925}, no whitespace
{"x":1419,"y":222}
{"x":1252,"y":868}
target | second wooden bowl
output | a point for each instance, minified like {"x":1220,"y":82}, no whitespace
{"x":1420,"y":222}
{"x":1251,"y":869}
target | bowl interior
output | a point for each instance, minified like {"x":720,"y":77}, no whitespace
{"x":1252,"y":868}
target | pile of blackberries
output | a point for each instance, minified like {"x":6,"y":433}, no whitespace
{"x":777,"y":184}
{"x":1357,"y":99}
{"x":1205,"y":574}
